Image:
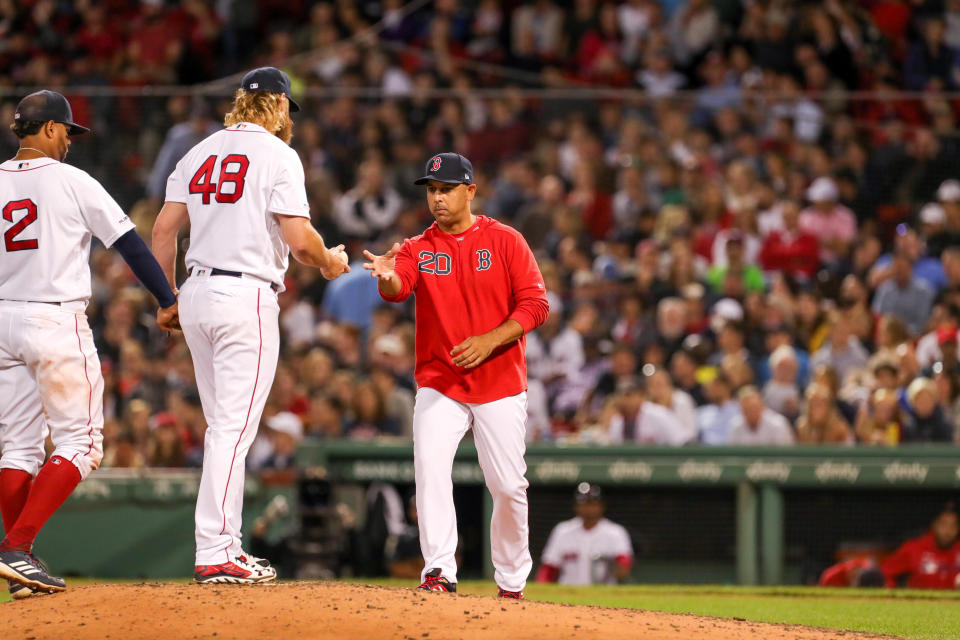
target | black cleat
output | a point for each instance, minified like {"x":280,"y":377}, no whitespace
{"x":24,"y":568}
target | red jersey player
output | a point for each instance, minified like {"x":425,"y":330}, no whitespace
{"x":478,"y":292}
{"x":931,"y":561}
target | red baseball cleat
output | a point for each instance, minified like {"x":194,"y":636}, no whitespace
{"x":510,"y":595}
{"x":240,"y":571}
{"x":436,"y":582}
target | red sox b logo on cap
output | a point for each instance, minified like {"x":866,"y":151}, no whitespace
{"x":437,"y":161}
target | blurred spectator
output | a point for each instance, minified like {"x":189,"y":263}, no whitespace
{"x":821,"y":422}
{"x":879,"y":421}
{"x":757,"y":425}
{"x":683,"y":371}
{"x":398,"y":401}
{"x":904,"y":296}
{"x":842,"y":352}
{"x":180,"y":138}
{"x":370,"y":417}
{"x":929,"y":64}
{"x":833,"y":224}
{"x":165,"y":448}
{"x":589,"y":549}
{"x":732,"y":276}
{"x":791,"y":250}
{"x":782,"y":393}
{"x":717,"y":419}
{"x":637,"y":419}
{"x":369,"y":207}
{"x":661,"y":391}
{"x":925,"y":420}
{"x":278,"y":445}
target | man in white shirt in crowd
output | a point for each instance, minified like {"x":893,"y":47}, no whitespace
{"x":637,"y":419}
{"x":588,"y":549}
{"x":758,"y":425}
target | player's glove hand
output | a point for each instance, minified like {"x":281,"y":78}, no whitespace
{"x":169,"y":319}
{"x":337,"y":265}
{"x":474,"y":350}
{"x":382,"y":266}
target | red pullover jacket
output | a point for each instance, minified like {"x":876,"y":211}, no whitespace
{"x":467,"y":284}
{"x":927,"y":565}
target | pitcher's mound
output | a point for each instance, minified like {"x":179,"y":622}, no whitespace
{"x":331,"y":610}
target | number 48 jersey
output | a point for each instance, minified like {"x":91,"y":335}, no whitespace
{"x":232,"y":183}
{"x":49,"y":212}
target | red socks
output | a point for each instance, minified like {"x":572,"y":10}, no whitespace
{"x":54,"y":484}
{"x":14,"y":488}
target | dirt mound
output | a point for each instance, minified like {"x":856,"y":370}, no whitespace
{"x":338,"y":610}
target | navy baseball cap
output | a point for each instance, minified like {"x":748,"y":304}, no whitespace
{"x":452,"y":168}
{"x":44,"y":106}
{"x":587,"y":492}
{"x":270,"y":80}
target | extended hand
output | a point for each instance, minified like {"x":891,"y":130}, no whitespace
{"x":337,"y":264}
{"x":474,"y":350}
{"x":382,"y":266}
{"x":169,"y":319}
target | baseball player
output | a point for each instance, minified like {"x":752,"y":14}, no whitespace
{"x":242,"y":190}
{"x":49,"y":371}
{"x":588,"y":549}
{"x":478,"y":292}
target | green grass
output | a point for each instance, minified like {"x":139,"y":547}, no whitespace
{"x":927,"y":615}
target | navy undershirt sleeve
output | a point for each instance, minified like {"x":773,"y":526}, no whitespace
{"x":145,"y":267}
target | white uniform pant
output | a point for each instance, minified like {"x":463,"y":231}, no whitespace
{"x":49,"y":378}
{"x":439,"y":423}
{"x":231,"y":327}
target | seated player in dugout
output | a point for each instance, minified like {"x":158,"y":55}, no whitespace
{"x":931,"y":561}
{"x":587,"y":549}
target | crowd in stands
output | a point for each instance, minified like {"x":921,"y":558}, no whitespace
{"x":741,"y":253}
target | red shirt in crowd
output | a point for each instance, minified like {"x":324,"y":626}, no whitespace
{"x":467,"y":284}
{"x":927,"y":565}
{"x":796,"y":253}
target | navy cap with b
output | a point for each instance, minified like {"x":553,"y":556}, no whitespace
{"x":452,"y":168}
{"x":270,"y":80}
{"x":587,"y":492}
{"x":44,"y":106}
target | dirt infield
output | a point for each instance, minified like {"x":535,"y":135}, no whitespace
{"x":339,"y":610}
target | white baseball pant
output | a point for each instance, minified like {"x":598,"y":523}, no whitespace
{"x":439,"y":423}
{"x":231,"y":327}
{"x":49,"y":378}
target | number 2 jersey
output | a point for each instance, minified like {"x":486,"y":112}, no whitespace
{"x":467,"y":284}
{"x":49,"y":212}
{"x":232,"y":183}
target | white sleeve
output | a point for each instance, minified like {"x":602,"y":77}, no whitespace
{"x":101,"y":213}
{"x":615,"y":429}
{"x":289,"y":195}
{"x":176,"y":185}
{"x":622,"y":544}
{"x":552,"y":553}
{"x":785,"y":433}
{"x":686,"y":411}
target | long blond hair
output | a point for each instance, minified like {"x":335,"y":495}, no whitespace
{"x":260,"y":107}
